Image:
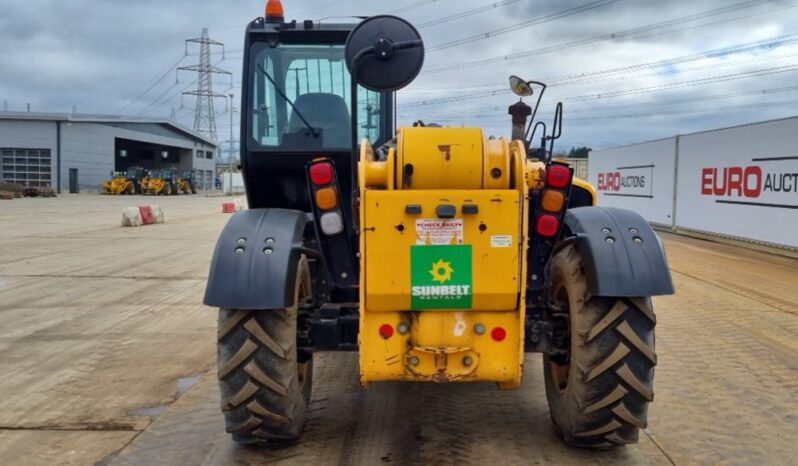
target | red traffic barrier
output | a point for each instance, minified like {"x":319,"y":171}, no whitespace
{"x":228,"y":207}
{"x":147,"y":218}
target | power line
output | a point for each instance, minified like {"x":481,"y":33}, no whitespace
{"x":642,"y":31}
{"x":465,"y":14}
{"x":689,"y":83}
{"x":160,"y":100}
{"x":322,"y":7}
{"x":302,"y":12}
{"x":412,"y":6}
{"x":604,"y":108}
{"x":635,"y":115}
{"x":685,"y":111}
{"x":525,"y":24}
{"x":683,"y":84}
{"x":584,"y":77}
{"x":581,"y":78}
{"x":157,"y":81}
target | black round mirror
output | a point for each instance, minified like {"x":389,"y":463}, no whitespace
{"x":384,"y":53}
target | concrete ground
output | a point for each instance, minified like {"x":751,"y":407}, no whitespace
{"x":107,"y":356}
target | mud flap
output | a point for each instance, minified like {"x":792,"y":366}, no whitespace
{"x":254,"y":264}
{"x":622,"y":254}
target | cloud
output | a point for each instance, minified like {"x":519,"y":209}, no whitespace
{"x":103,"y":55}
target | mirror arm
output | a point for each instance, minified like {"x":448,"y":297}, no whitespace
{"x":353,"y":110}
{"x":356,"y":61}
{"x":537,"y":105}
{"x":408,"y":44}
{"x":556,"y":130}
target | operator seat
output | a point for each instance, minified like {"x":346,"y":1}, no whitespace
{"x":326,"y":111}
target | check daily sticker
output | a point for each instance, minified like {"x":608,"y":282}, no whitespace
{"x":441,"y":276}
{"x":439,"y":231}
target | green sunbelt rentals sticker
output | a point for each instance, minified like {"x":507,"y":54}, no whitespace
{"x":440,"y":276}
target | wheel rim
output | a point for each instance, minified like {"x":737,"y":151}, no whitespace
{"x":560,"y":366}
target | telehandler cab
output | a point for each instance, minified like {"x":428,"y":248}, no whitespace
{"x":439,"y":254}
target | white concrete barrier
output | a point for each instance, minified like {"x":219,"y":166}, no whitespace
{"x":142,"y":215}
{"x":157,"y":212}
{"x":131,"y":217}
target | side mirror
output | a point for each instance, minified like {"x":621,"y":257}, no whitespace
{"x":384,"y":53}
{"x":520,"y":87}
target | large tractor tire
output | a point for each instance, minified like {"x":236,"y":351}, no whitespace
{"x":265,"y":387}
{"x":599,"y":392}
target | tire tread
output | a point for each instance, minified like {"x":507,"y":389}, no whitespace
{"x":612,"y":363}
{"x":262,"y":398}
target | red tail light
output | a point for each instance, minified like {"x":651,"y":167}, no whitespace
{"x":558,"y":176}
{"x":321,"y":173}
{"x":547,"y":225}
{"x":498,"y":333}
{"x":386,"y":331}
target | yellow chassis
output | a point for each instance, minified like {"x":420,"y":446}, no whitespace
{"x":444,"y":345}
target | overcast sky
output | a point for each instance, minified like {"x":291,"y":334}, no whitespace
{"x":626,"y":70}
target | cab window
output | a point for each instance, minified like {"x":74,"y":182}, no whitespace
{"x":315,"y":79}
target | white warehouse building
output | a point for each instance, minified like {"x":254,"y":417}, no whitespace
{"x":70,"y":152}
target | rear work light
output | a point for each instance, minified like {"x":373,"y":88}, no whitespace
{"x":321,"y":173}
{"x":326,"y":198}
{"x":558,"y":176}
{"x":547,"y":225}
{"x":331,"y":223}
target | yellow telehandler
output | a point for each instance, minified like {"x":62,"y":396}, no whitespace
{"x":439,"y":254}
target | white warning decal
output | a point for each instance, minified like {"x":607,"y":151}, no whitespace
{"x":501,"y":241}
{"x":439,"y":231}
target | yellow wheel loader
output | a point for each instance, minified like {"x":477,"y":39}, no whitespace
{"x":118,"y":184}
{"x":439,"y":254}
{"x":185,"y":182}
{"x":162,"y":181}
{"x":129,"y":181}
{"x":135,"y":177}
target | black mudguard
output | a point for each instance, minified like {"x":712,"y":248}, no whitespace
{"x":622,"y":255}
{"x":253,"y":279}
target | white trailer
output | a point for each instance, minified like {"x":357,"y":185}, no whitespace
{"x":639,"y":177}
{"x":739,"y":183}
